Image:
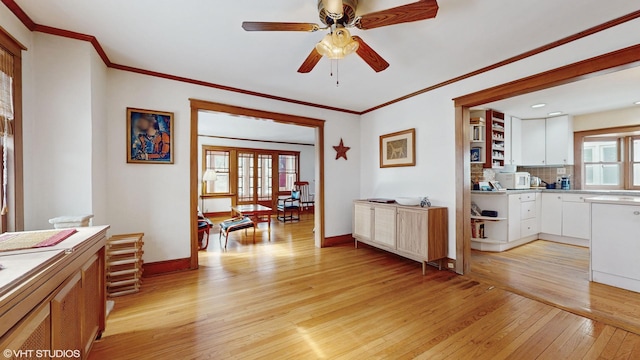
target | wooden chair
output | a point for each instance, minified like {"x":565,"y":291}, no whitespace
{"x":204,"y":231}
{"x":307,"y":200}
{"x":289,"y":208}
{"x":235,"y":224}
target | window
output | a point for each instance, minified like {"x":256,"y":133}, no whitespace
{"x":218,"y":161}
{"x":287,"y":171}
{"x":602,"y":163}
{"x":609,"y":158}
{"x":635,"y":162}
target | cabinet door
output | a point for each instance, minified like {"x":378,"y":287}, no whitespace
{"x":66,"y":315}
{"x":576,"y":218}
{"x":533,"y":143}
{"x":614,"y":242}
{"x":514,"y":217}
{"x":528,"y":210}
{"x":31,"y":334}
{"x":413,"y":227}
{"x":362,"y":226}
{"x":93,"y":299}
{"x":515,"y":139}
{"x":529,"y":227}
{"x":551,"y":214}
{"x":559,"y":141}
{"x":384,"y":225}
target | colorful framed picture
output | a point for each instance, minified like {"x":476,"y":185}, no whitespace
{"x":398,"y":149}
{"x":149,"y":137}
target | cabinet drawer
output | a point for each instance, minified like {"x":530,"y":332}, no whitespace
{"x":528,"y":210}
{"x":573,"y":197}
{"x":528,"y":197}
{"x":529,"y":227}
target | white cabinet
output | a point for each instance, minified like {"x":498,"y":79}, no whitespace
{"x":615,"y":246}
{"x":576,"y":217}
{"x":544,"y":141}
{"x":533,"y":142}
{"x":514,"y":217}
{"x":551,"y":214}
{"x":384,"y":226}
{"x":515,"y":147}
{"x":559,"y":141}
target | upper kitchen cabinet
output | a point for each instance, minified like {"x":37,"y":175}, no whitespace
{"x":559,"y":144}
{"x":532,"y":142}
{"x":514,"y":130}
{"x":545,"y":141}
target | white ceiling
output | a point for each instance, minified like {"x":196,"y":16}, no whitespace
{"x":219,"y":124}
{"x":204,"y":40}
{"x":606,"y":92}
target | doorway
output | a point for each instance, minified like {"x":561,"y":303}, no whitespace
{"x":252,"y":162}
{"x":566,"y":287}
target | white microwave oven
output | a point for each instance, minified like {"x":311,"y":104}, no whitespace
{"x":514,"y":181}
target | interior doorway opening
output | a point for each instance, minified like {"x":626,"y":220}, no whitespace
{"x":260,"y":183}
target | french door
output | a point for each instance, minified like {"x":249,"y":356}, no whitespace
{"x":255,"y":178}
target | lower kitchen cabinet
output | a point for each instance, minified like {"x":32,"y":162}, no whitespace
{"x":551,"y":214}
{"x":565,"y":218}
{"x":615,"y":246}
{"x":416,"y":233}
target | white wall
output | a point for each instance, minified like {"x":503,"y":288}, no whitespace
{"x":432,"y":114}
{"x":607,"y":119}
{"x":99,"y":142}
{"x":154,"y":199}
{"x":62,"y":137}
{"x":307,"y":164}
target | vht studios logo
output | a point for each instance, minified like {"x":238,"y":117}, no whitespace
{"x":41,"y":354}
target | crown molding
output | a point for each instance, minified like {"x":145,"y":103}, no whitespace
{"x":33,"y":26}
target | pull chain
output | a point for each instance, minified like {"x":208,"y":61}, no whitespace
{"x":337,"y":73}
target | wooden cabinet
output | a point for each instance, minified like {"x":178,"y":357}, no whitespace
{"x":58,"y":305}
{"x":384,"y":226}
{"x":551,"y":214}
{"x":533,"y":142}
{"x":615,"y":246}
{"x":363,"y":221}
{"x":416,"y":233}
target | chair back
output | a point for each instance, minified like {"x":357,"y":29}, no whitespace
{"x":303,"y":188}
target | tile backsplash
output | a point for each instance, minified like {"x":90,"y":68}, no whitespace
{"x":546,"y":173}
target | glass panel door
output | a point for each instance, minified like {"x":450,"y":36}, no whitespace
{"x":246,"y":183}
{"x":265,"y":179}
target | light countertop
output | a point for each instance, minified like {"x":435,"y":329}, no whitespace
{"x":560,"y":191}
{"x":616,"y":200}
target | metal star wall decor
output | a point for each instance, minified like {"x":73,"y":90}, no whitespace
{"x":341,"y":150}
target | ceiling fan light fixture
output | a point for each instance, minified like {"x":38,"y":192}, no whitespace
{"x":337,"y":45}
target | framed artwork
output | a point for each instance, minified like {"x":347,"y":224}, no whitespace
{"x":398,"y":149}
{"x":149,"y":137}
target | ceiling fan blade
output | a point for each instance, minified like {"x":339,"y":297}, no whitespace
{"x":421,"y":10}
{"x":369,"y":55}
{"x":310,"y":62}
{"x":279,"y":26}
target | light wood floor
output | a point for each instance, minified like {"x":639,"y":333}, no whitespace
{"x":558,"y":274}
{"x":285,"y":299}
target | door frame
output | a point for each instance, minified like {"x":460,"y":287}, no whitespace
{"x":600,"y":65}
{"x":237,"y":111}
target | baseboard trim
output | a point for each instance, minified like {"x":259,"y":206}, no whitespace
{"x":166,"y":267}
{"x":338,"y":240}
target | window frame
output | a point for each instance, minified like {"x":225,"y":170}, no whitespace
{"x":620,"y":163}
{"x":625,"y":136}
{"x":287,"y":153}
{"x":231,"y":192}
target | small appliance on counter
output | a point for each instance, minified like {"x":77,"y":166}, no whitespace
{"x":514,"y":180}
{"x":536,"y":182}
{"x":565,"y":183}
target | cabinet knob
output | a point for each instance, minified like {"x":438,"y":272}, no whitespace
{"x":636,"y":213}
{"x":559,"y":198}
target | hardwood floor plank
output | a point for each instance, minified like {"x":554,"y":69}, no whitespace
{"x":286,"y":299}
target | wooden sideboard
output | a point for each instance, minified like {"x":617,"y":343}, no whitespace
{"x":420,"y":234}
{"x":53,"y":300}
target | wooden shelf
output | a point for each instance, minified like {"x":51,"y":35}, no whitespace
{"x":487,"y":218}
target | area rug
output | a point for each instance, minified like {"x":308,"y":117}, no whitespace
{"x":36,"y":239}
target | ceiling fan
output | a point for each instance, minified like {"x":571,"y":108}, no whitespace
{"x":338,"y":16}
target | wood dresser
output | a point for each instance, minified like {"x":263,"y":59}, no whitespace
{"x":53,"y":299}
{"x":417,"y":233}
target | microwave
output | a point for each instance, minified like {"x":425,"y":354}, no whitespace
{"x":514,"y":180}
